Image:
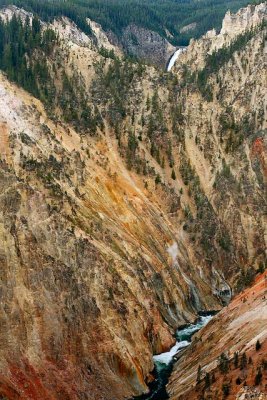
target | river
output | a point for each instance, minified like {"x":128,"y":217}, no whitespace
{"x":164,"y":362}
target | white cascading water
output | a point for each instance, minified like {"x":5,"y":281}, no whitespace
{"x":183,"y":335}
{"x":174,"y":58}
{"x":166,"y":358}
{"x":164,"y":362}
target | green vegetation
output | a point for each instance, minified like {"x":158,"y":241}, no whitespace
{"x":246,"y":278}
{"x":224,"y":180}
{"x":207,"y":380}
{"x":261,"y":268}
{"x":157,"y":179}
{"x":225,"y":241}
{"x":19,"y":44}
{"x":48,"y":172}
{"x":236,"y":359}
{"x":226,"y":389}
{"x":225,"y":366}
{"x":217,"y":59}
{"x":224,"y":363}
{"x":199,"y":371}
{"x":28,"y":56}
{"x":244,"y":361}
{"x":210,"y":231}
{"x":258,"y":377}
{"x":112,"y":87}
{"x":156,"y":123}
{"x":157,"y":15}
{"x":258,"y":345}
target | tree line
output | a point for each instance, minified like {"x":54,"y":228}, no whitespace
{"x":157,"y":15}
{"x":18,"y":43}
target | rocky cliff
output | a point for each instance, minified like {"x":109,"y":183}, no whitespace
{"x":147,"y":45}
{"x":120,"y":223}
{"x":84,"y":263}
{"x":225,"y":351}
{"x":233,"y":25}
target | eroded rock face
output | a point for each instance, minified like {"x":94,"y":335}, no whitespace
{"x":102,"y":38}
{"x":244,"y":19}
{"x":232,"y":26}
{"x":235,"y":329}
{"x":87,"y":280}
{"x":147,"y":45}
{"x":250,"y":393}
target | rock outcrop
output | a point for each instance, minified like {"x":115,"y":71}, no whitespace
{"x":232,"y":26}
{"x":235,"y":330}
{"x":248,"y":393}
{"x":147,"y":45}
{"x":102,"y":39}
{"x":82,"y":265}
{"x":244,"y":19}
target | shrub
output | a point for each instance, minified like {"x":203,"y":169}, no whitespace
{"x":244,"y":361}
{"x":157,"y":179}
{"x":258,"y":377}
{"x":224,"y":363}
{"x":226,"y":389}
{"x":236,"y":360}
{"x":258,"y":345}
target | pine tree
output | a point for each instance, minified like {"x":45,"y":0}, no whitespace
{"x":258,"y":377}
{"x":207,"y":380}
{"x":157,"y":179}
{"x":236,"y":360}
{"x":199,"y":374}
{"x":244,"y":361}
{"x":226,"y":389}
{"x":258,"y":345}
{"x":224,"y":363}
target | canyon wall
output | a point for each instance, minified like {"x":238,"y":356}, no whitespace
{"x":232,"y":333}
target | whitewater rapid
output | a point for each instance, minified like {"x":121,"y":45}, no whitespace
{"x":164,"y":362}
{"x":166,"y":358}
{"x":183,"y":341}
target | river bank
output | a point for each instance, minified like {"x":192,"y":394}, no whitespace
{"x":164,"y":362}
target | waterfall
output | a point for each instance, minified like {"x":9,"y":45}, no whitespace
{"x":174,"y":58}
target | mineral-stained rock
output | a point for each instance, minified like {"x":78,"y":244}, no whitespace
{"x":235,"y":329}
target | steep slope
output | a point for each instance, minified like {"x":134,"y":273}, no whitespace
{"x":234,"y":333}
{"x":233,"y":25}
{"x":164,"y":20}
{"x":88,"y":285}
{"x":129,"y":203}
{"x":75,"y":297}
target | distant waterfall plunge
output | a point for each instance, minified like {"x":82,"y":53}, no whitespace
{"x":174,"y":57}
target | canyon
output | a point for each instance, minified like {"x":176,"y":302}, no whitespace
{"x":244,"y":322}
{"x":121,"y":225}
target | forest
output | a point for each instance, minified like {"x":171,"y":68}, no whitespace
{"x":26,"y":51}
{"x":167,"y":17}
{"x":18,"y":42}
